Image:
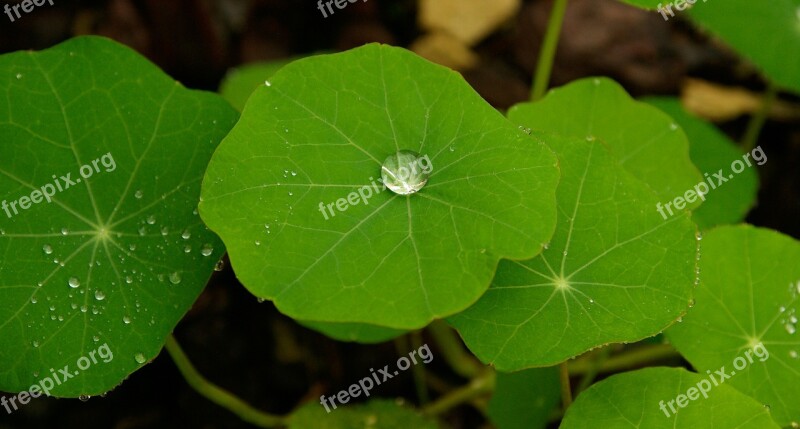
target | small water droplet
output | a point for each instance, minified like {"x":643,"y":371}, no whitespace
{"x":19,"y":75}
{"x":140,"y":358}
{"x":793,"y":354}
{"x":673,"y":126}
{"x":64,"y":231}
{"x":207,"y":250}
{"x":267,"y":83}
{"x":151,"y":219}
{"x":187,"y":248}
{"x":35,"y":344}
{"x":452,"y":148}
{"x":261,"y":300}
{"x":691,"y":303}
{"x":219,"y":266}
{"x":95,"y":338}
{"x":405,"y":173}
{"x":126,"y":320}
{"x":128,"y":279}
{"x":175,"y":278}
{"x":258,"y":243}
{"x":74,"y":282}
{"x":186,"y":234}
{"x":138,"y":194}
{"x":699,"y":236}
{"x":84,"y":398}
{"x":47,"y":249}
{"x":164,"y":230}
{"x":791,"y":329}
{"x":34,"y":300}
{"x":294,"y":173}
{"x":99,"y":295}
{"x":590,"y":138}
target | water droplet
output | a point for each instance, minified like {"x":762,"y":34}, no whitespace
{"x":186,"y":234}
{"x":34,"y":300}
{"x":452,"y":148}
{"x":47,"y":249}
{"x":175,"y":278}
{"x":128,"y":279}
{"x":791,"y":329}
{"x":164,"y":230}
{"x":261,"y":300}
{"x":35,"y":344}
{"x":64,"y":231}
{"x":95,"y":338}
{"x":546,"y":246}
{"x":151,"y":219}
{"x":187,"y":248}
{"x":699,"y":236}
{"x":142,"y":230}
{"x":139,"y":194}
{"x":258,"y":243}
{"x":126,"y":320}
{"x":207,"y":250}
{"x":525,"y":130}
{"x":19,"y":75}
{"x":74,"y":282}
{"x":793,"y":354}
{"x":673,"y":126}
{"x":219,"y":266}
{"x":294,"y":173}
{"x":691,"y":303}
{"x":84,"y":398}
{"x":266,"y":82}
{"x":99,"y":295}
{"x":405,"y":173}
{"x":590,"y":138}
{"x":140,"y":358}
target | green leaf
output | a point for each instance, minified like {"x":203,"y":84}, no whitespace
{"x":646,"y":141}
{"x":239,"y":83}
{"x":615,"y":271}
{"x":776,"y":22}
{"x":524,"y":399}
{"x":635,"y":400}
{"x":319,"y":134}
{"x":354,"y":332}
{"x":644,"y":4}
{"x":105,"y":262}
{"x":748,"y":295}
{"x":379,"y":414}
{"x":712,"y":151}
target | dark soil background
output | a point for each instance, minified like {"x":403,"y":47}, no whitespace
{"x":246,"y":346}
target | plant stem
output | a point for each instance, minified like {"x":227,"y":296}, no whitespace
{"x":418,"y":371}
{"x":566,"y":389}
{"x":218,"y":395}
{"x":759,"y":119}
{"x":453,"y":351}
{"x":594,"y":366}
{"x":478,"y":386}
{"x":548,"y":51}
{"x":633,"y":358}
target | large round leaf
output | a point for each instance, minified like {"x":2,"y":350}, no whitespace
{"x":749,"y":295}
{"x":641,"y":399}
{"x":318,"y":134}
{"x":712,"y":152}
{"x":117,"y":258}
{"x":646,"y":141}
{"x":614,"y":271}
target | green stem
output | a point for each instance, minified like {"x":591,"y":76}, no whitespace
{"x":759,"y":119}
{"x":630,"y":359}
{"x":453,"y":351}
{"x":478,"y":386}
{"x":566,"y":389}
{"x":218,"y":395}
{"x":548,"y":51}
{"x":419,"y":371}
{"x":597,"y":361}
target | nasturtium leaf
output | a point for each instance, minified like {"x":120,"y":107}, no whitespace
{"x":641,"y":399}
{"x":354,"y":332}
{"x":239,"y":83}
{"x":777,"y":24}
{"x":748,"y":295}
{"x":646,"y":141}
{"x":115,"y":260}
{"x":712,"y":151}
{"x":293,"y":191}
{"x":378,"y":414}
{"x":615,"y":271}
{"x":524,"y":399}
